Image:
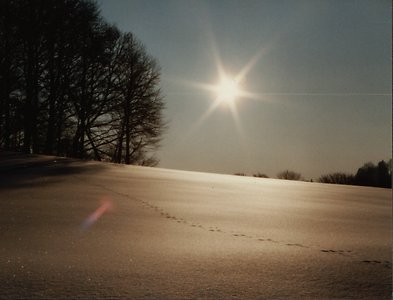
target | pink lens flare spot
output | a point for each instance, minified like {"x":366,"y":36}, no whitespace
{"x":106,"y":204}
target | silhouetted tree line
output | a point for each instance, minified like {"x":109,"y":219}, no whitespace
{"x":260,"y":175}
{"x":379,"y":175}
{"x":73,"y":85}
{"x":240,"y":174}
{"x":289,"y":175}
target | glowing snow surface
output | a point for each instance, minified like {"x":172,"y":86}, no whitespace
{"x":180,"y":235}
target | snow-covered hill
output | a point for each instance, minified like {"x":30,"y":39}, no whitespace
{"x":74,"y":229}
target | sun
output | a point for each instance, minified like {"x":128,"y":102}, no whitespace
{"x":227,"y":90}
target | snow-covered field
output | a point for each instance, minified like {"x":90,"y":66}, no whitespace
{"x":86,"y":230}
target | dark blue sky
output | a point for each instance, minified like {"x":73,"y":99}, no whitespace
{"x":322,"y":81}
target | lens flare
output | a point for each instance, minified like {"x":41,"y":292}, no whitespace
{"x":106,"y":204}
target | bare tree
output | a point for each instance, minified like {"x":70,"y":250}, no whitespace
{"x":139,"y":108}
{"x":337,"y":178}
{"x":10,"y":75}
{"x":289,"y":175}
{"x":261,"y":175}
{"x":70,"y":84}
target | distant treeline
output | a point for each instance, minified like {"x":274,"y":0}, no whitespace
{"x":379,"y":175}
{"x":73,"y":85}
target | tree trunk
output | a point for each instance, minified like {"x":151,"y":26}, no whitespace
{"x":6,"y":105}
{"x":50,"y":133}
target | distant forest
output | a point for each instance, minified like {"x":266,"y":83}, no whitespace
{"x":369,"y":174}
{"x":73,"y":85}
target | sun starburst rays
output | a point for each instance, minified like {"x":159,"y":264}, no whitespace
{"x":228,"y":89}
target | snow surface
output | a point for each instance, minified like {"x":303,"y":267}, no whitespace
{"x":86,"y":230}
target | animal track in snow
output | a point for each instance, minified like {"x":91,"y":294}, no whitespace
{"x":163,"y":213}
{"x":386,"y":264}
{"x":341,"y":252}
{"x":297,"y":245}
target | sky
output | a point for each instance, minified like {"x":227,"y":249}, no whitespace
{"x":316,"y":77}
